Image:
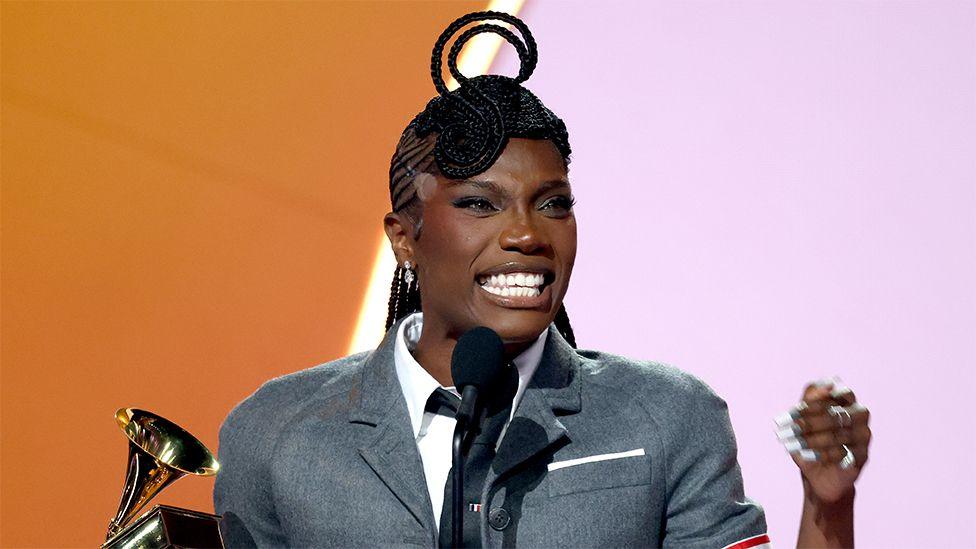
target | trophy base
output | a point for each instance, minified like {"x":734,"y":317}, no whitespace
{"x":165,"y":527}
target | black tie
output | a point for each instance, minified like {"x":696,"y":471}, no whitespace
{"x":443,"y":403}
{"x":476,"y":465}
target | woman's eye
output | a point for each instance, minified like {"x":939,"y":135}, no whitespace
{"x":476,"y":204}
{"x":558,"y":205}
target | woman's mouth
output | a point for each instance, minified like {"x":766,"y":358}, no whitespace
{"x":513,"y":284}
{"x":518,"y":289}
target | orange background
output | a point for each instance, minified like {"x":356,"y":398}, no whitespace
{"x":192,"y":197}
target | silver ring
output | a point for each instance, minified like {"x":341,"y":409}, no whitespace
{"x":848,"y":461}
{"x":842,"y":416}
{"x":808,"y":455}
{"x":796,"y":412}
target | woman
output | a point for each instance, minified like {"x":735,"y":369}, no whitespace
{"x":589,"y":449}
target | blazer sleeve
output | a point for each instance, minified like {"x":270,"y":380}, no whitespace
{"x":243,"y":489}
{"x":706,"y":504}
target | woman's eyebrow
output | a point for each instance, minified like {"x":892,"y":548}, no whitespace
{"x":494,"y":187}
{"x":549,"y":186}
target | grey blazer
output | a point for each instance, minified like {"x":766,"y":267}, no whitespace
{"x":603,"y":451}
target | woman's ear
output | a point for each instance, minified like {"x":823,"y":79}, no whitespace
{"x":398,"y":229}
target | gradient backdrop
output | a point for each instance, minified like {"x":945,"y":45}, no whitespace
{"x":769,"y":192}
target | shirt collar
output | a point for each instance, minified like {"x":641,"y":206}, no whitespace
{"x":417,"y":384}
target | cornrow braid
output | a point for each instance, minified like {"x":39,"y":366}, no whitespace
{"x":461,"y":133}
{"x":404,"y":298}
{"x":414,"y":156}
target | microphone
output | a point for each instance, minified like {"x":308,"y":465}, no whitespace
{"x":477,"y":366}
{"x":477,"y":369}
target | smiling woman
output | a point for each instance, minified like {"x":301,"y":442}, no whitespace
{"x":589,"y":450}
{"x":497,"y":251}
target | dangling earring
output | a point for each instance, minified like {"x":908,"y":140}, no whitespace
{"x":408,"y":275}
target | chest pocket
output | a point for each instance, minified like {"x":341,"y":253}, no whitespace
{"x":598,"y":473}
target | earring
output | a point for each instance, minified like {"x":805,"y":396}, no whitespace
{"x":408,"y":275}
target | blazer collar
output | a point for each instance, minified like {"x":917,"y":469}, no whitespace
{"x":391,"y":449}
{"x":554,"y":391}
{"x":556,"y":381}
{"x":557,"y":378}
{"x":377,"y":391}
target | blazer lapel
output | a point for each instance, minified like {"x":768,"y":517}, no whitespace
{"x":554,"y":389}
{"x":392,"y":451}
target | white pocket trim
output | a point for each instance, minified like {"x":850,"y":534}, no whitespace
{"x":590,"y":459}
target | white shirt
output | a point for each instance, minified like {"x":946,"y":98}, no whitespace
{"x":434,"y":432}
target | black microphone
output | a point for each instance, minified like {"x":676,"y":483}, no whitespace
{"x":477,"y":367}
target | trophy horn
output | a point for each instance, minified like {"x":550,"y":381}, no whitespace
{"x":160,"y":452}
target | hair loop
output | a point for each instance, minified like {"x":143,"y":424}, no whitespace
{"x":525,"y":69}
{"x":526,"y":48}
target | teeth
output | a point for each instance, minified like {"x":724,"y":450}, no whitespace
{"x":513,"y":284}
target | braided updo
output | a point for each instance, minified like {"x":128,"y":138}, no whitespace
{"x":461,"y":133}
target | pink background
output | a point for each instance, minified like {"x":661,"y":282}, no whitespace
{"x":774,"y":192}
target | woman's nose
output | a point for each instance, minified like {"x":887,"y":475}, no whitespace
{"x":524,"y":236}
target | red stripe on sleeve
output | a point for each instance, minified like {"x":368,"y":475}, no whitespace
{"x":748,"y":543}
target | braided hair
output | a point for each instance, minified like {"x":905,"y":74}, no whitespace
{"x":461,"y":133}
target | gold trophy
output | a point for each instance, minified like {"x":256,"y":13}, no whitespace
{"x":159,"y":453}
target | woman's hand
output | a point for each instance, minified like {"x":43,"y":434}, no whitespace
{"x":827,"y":434}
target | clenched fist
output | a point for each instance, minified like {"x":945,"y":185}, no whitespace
{"x":827,"y":434}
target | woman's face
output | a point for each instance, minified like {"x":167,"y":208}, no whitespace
{"x":497,"y":250}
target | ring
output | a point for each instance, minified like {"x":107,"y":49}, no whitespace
{"x":843,"y":417}
{"x":796,"y":412}
{"x":848,"y":461}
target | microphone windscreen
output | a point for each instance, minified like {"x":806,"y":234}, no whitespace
{"x":478,"y":359}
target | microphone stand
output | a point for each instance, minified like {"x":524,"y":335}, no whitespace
{"x":457,"y":487}
{"x":467,"y":415}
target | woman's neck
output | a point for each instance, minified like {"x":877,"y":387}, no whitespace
{"x":436,"y":346}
